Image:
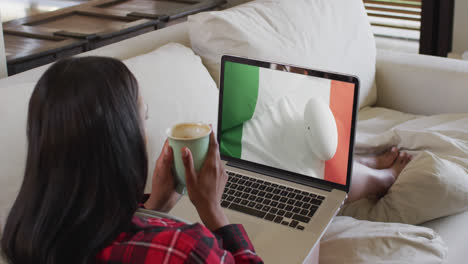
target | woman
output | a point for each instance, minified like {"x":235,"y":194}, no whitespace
{"x":85,"y":176}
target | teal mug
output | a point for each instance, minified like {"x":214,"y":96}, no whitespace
{"x":194,"y":136}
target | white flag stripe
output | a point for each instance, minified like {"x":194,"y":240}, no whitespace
{"x":276,"y":85}
{"x":276,"y":135}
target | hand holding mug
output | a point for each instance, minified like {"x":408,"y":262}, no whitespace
{"x":163,"y":195}
{"x":206,"y":187}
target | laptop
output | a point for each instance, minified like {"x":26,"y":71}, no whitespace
{"x":286,"y":136}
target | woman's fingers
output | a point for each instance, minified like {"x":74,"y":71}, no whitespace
{"x":165,"y":160}
{"x":190,"y":174}
{"x":213,"y":149}
{"x":165,"y":151}
{"x":213,"y":152}
{"x":168,"y":156}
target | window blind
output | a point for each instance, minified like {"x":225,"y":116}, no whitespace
{"x":395,"y":18}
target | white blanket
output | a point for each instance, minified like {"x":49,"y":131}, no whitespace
{"x":355,"y":241}
{"x":445,"y":134}
{"x":435,"y":183}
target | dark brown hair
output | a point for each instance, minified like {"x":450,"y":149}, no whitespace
{"x":86,"y":165}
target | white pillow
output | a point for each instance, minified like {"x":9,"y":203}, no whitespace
{"x":322,"y":34}
{"x":14,"y":101}
{"x":434,"y":184}
{"x":177,"y":88}
{"x":352,"y":241}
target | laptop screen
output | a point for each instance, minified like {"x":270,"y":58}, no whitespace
{"x":288,"y":118}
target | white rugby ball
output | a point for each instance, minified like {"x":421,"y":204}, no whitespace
{"x":320,"y":128}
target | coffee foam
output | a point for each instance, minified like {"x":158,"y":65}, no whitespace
{"x":189,"y":130}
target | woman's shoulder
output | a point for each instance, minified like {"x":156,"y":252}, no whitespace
{"x":154,"y":238}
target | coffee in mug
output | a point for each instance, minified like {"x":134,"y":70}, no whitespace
{"x":190,"y":131}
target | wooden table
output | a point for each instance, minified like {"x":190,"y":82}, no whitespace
{"x":34,"y":41}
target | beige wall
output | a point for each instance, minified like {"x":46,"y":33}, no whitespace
{"x":460,"y":27}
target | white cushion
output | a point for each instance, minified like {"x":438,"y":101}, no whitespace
{"x":421,"y":84}
{"x":14,"y":101}
{"x":322,"y":34}
{"x":434,"y":184}
{"x":177,"y":88}
{"x":352,"y":241}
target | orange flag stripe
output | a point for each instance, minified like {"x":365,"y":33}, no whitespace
{"x":341,"y":105}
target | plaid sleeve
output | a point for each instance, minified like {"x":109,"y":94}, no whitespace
{"x":209,"y":246}
{"x":234,"y":239}
{"x":160,"y":240}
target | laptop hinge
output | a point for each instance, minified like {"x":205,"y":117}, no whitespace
{"x":279,"y":175}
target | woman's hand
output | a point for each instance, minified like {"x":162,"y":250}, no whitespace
{"x":206,"y":187}
{"x":163,"y":195}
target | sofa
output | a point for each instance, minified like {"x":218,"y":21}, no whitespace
{"x":416,"y":85}
{"x":3,"y":67}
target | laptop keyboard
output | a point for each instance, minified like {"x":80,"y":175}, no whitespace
{"x":273,"y":202}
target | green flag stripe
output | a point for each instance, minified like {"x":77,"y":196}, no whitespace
{"x":239,"y":100}
{"x":231,"y":144}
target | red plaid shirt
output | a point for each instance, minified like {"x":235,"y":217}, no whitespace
{"x":161,"y":240}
